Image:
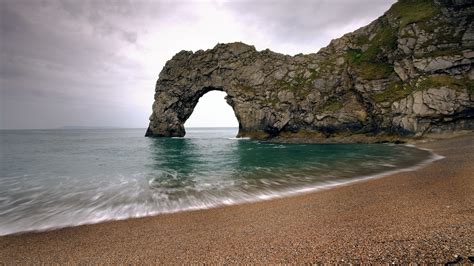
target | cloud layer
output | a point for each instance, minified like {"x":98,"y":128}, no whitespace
{"x":95,"y":63}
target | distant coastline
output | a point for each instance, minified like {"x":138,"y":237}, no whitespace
{"x":89,"y":127}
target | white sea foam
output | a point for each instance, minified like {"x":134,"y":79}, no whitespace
{"x":135,"y":210}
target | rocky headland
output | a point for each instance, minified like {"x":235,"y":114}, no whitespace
{"x":407,"y":74}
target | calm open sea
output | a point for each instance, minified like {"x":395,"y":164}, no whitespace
{"x":58,"y":178}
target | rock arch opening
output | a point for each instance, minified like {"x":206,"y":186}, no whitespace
{"x":212,"y":111}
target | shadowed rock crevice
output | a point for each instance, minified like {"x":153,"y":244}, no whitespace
{"x":408,"y":73}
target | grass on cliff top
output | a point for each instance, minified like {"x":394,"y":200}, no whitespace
{"x":411,"y":11}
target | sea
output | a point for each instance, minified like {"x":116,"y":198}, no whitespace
{"x":67,"y":177}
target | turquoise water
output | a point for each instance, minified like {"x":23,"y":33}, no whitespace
{"x":57,"y":178}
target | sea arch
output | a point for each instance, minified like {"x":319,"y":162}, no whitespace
{"x":188,"y":76}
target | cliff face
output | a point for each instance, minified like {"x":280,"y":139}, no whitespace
{"x":407,"y":73}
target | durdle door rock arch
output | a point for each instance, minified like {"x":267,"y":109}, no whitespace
{"x":408,"y":73}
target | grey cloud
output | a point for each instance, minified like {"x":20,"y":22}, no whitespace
{"x":304,"y":20}
{"x":63,"y":61}
{"x":100,"y":15}
{"x":50,"y":61}
{"x":130,"y":36}
{"x":117,"y":17}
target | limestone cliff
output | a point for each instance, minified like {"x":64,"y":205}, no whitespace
{"x":407,"y":73}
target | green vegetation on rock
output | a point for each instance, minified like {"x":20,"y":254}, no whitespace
{"x":393,"y":92}
{"x":411,"y":11}
{"x":332,"y":105}
{"x":399,"y":90}
{"x":446,"y":81}
{"x":372,"y":64}
{"x":369,"y":70}
{"x":298,"y":83}
{"x":271,"y":102}
{"x":326,"y":65}
{"x":386,"y":38}
{"x":448,"y":51}
{"x":245,"y":88}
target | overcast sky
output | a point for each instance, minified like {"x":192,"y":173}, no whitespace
{"x":95,"y":63}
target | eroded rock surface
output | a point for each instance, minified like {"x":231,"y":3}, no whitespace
{"x":407,"y":73}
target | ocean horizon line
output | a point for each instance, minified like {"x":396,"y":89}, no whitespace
{"x":98,"y":127}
